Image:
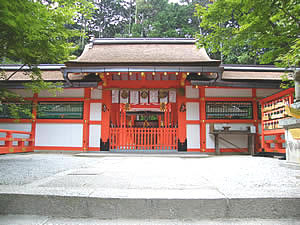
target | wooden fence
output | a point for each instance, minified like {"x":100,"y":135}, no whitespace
{"x":143,"y":138}
{"x":11,"y":144}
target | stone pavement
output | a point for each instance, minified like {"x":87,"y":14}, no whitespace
{"x":149,"y":188}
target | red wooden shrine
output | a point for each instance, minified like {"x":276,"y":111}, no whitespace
{"x":272,"y":111}
{"x":113,"y":84}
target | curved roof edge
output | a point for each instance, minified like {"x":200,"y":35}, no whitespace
{"x":99,"y":41}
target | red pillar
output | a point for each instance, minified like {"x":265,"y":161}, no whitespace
{"x":202,"y":119}
{"x":86,"y":118}
{"x":33,"y":124}
{"x":104,"y":142}
{"x":181,"y":108}
{"x":255,"y":116}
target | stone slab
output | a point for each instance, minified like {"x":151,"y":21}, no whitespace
{"x":120,"y":208}
{"x":42,"y":220}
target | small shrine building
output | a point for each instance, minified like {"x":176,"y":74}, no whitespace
{"x":141,"y":95}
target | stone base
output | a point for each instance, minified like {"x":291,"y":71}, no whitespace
{"x":292,"y":134}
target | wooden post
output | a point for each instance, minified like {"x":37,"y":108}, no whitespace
{"x":217,"y":147}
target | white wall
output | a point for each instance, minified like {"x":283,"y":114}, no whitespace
{"x":95,"y":111}
{"x":15,"y":126}
{"x":227,"y":92}
{"x":23,"y":92}
{"x":260,"y":92}
{"x":192,"y":111}
{"x":96,"y":93}
{"x":193,"y":135}
{"x":191,"y":92}
{"x":66,"y":93}
{"x":95,"y":135}
{"x":65,"y":135}
{"x":293,"y":148}
{"x":239,"y":140}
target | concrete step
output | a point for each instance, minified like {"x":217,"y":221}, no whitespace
{"x":144,"y":154}
{"x":46,"y":220}
{"x":148,"y":208}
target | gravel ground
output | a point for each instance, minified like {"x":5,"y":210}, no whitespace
{"x":231,"y":175}
{"x":20,"y":169}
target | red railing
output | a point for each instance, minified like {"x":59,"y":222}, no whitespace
{"x":143,"y":138}
{"x":10,"y":144}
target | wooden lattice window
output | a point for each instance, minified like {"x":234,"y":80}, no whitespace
{"x":60,"y":110}
{"x":229,"y":110}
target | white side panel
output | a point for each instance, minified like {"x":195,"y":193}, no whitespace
{"x":96,"y":93}
{"x":233,"y":126}
{"x":134,"y":97}
{"x":124,"y":100}
{"x":95,"y":112}
{"x":15,"y":126}
{"x":115,"y":96}
{"x":239,"y":140}
{"x":260,"y":92}
{"x":227,"y":92}
{"x":144,"y":100}
{"x":191,"y":92}
{"x":193,"y":135}
{"x":172,"y":96}
{"x":165,"y":99}
{"x":192,"y":111}
{"x":153,"y":96}
{"x":95,"y":135}
{"x":210,"y":140}
{"x":64,"y":135}
{"x":23,"y":92}
{"x":66,"y":93}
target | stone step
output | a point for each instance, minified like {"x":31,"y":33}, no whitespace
{"x":47,"y":220}
{"x":148,"y":208}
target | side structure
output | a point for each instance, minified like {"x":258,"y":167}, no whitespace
{"x":146,"y":95}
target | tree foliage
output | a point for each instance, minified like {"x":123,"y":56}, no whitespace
{"x":34,"y":32}
{"x":158,"y":18}
{"x":265,"y":30}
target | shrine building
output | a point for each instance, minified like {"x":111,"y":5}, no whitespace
{"x":145,"y":95}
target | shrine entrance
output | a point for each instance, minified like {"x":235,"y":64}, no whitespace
{"x":144,"y":127}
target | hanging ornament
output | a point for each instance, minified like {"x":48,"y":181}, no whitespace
{"x":127,"y":107}
{"x":162,"y":93}
{"x":144,"y":94}
{"x":124,"y":94}
{"x":162,"y":106}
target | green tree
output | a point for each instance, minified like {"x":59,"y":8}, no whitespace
{"x":109,"y":18}
{"x":159,"y":18}
{"x":266,"y":30}
{"x":36,"y":31}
